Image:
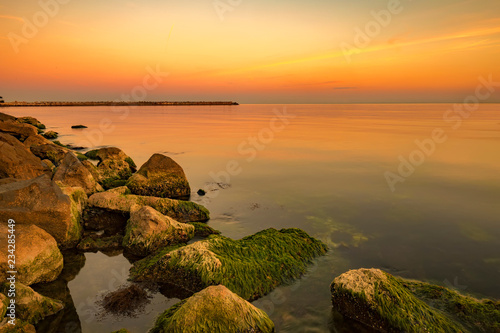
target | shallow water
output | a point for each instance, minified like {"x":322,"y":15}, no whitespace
{"x":322,"y":171}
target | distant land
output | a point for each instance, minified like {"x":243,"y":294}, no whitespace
{"x":120,"y":103}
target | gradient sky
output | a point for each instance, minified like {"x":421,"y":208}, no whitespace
{"x":260,"y":51}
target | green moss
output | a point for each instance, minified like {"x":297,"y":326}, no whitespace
{"x":59,"y":143}
{"x":92,"y":154}
{"x":131,"y":163}
{"x":250,"y":267}
{"x":203,"y":230}
{"x":50,"y":135}
{"x":81,"y":157}
{"x":166,"y":185}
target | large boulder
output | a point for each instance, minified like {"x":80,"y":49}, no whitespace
{"x":4,"y":117}
{"x":148,"y":231}
{"x":36,"y":140}
{"x":391,"y":304}
{"x":16,"y":161}
{"x":160,"y":177}
{"x":38,"y":259}
{"x":18,"y":130}
{"x":50,"y":151}
{"x":32,"y":307}
{"x":31,"y":121}
{"x":214,"y":309}
{"x":182,"y":211}
{"x":251,"y":267}
{"x":71,"y":172}
{"x":41,"y":202}
{"x":114,"y":167}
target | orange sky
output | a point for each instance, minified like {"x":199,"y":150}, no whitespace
{"x":252,"y":51}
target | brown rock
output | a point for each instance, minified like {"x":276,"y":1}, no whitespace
{"x":4,"y":117}
{"x":16,"y":161}
{"x":38,"y":258}
{"x":36,"y":140}
{"x":17,"y":130}
{"x":50,"y":151}
{"x":41,"y":202}
{"x":71,"y":172}
{"x":31,"y":121}
{"x":160,"y":177}
{"x":114,"y":167}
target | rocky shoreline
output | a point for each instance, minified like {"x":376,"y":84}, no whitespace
{"x":65,"y":203}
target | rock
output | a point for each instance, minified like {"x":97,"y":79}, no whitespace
{"x":19,"y":327}
{"x":148,"y":231}
{"x":251,"y":267}
{"x":182,"y":211}
{"x":201,"y":192}
{"x":36,"y":140}
{"x":203,"y":230}
{"x":49,"y":164}
{"x":160,"y":177}
{"x":4,"y":301}
{"x":32,"y":121}
{"x":93,"y":243}
{"x":16,"y":161}
{"x":4,"y":117}
{"x":41,"y":202}
{"x":17,"y":130}
{"x":391,"y":304}
{"x":38,"y":258}
{"x":52,"y":152}
{"x":79,"y":126}
{"x":50,"y":135}
{"x":214,"y":309}
{"x":114,"y":167}
{"x":31,"y":307}
{"x":121,"y":331}
{"x":71,"y":172}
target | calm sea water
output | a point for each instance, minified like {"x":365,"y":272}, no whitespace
{"x":322,"y":168}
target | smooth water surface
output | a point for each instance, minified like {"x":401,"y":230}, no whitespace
{"x":322,"y":168}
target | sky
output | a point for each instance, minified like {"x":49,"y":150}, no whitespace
{"x":249,"y":51}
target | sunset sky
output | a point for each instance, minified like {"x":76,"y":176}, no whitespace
{"x":250,"y":51}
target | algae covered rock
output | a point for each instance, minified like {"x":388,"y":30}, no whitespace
{"x":31,"y":121}
{"x":38,"y":259}
{"x":41,"y":202}
{"x":114,"y":167}
{"x":50,"y":151}
{"x":31,"y":307}
{"x":71,"y":172}
{"x":16,"y":161}
{"x":250,"y":267}
{"x":179,"y":210}
{"x":148,"y":230}
{"x":50,"y":135}
{"x":393,"y":304}
{"x":215,"y":309}
{"x":160,"y":177}
{"x":203,"y":230}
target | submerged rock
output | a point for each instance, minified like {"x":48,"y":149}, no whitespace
{"x":114,"y":167}
{"x":41,"y":202}
{"x":50,"y":135}
{"x":38,"y":258}
{"x":214,"y":309}
{"x":160,"y":177}
{"x":250,"y":267}
{"x":148,"y":231}
{"x":16,"y":161}
{"x":79,"y":126}
{"x":31,"y":307}
{"x":182,"y":211}
{"x":71,"y":172}
{"x":392,"y":304}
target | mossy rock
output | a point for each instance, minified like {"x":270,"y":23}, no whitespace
{"x":32,"y":307}
{"x":160,"y":177}
{"x":203,"y":230}
{"x":50,"y":135}
{"x":148,"y":230}
{"x":393,"y":304}
{"x":114,"y":167}
{"x":32,"y":121}
{"x":214,"y":309}
{"x":250,"y":267}
{"x":94,"y":244}
{"x":179,"y":210}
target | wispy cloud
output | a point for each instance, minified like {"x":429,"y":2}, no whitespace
{"x":9,"y":17}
